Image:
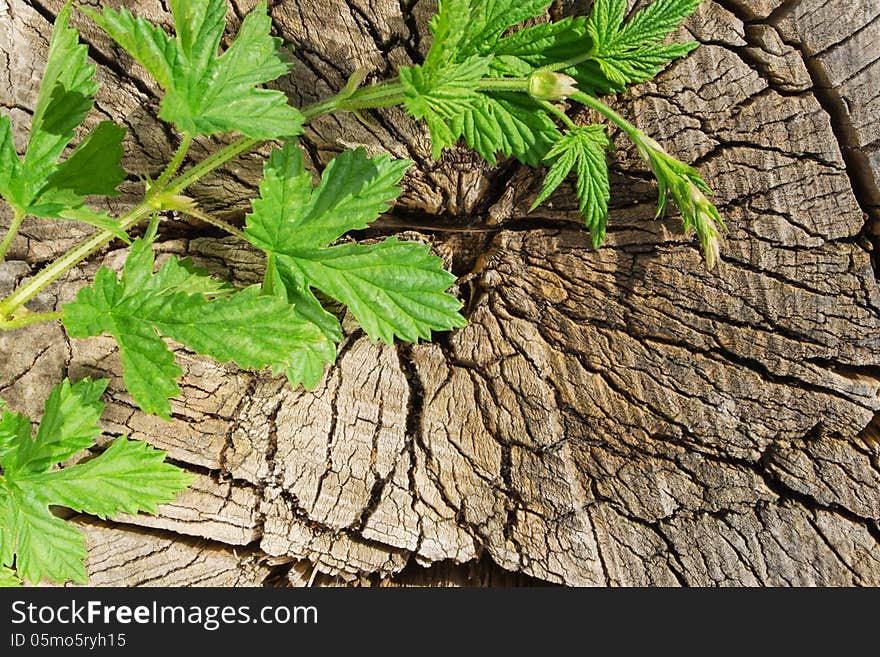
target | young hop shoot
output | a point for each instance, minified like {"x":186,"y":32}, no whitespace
{"x":487,"y":83}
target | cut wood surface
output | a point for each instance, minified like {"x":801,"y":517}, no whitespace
{"x":619,"y":416}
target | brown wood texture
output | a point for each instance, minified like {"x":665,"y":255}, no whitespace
{"x":611,"y":417}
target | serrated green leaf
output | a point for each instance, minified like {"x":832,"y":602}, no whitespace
{"x":445,"y":91}
{"x":308,"y":362}
{"x":510,"y":124}
{"x":93,"y":168}
{"x":66,"y":97}
{"x":129,"y":477}
{"x":546,"y":44}
{"x":393,"y":288}
{"x":15,"y":429}
{"x":449,"y":27}
{"x":69,"y":425}
{"x":631,"y":52}
{"x":199,"y":27}
{"x":39,"y":184}
{"x":8,"y":579}
{"x":353,"y":191}
{"x":584,"y":150}
{"x":10,"y":165}
{"x":442,"y":99}
{"x":7,"y":527}
{"x":463,"y":28}
{"x":183,"y":276}
{"x":102,"y":220}
{"x":252,"y":329}
{"x":174,"y":276}
{"x":489,"y":19}
{"x":148,"y":44}
{"x":45,"y":547}
{"x":205,"y":93}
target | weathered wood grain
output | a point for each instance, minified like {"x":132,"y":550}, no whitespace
{"x":610,"y":417}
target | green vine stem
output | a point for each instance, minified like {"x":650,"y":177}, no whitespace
{"x":385,"y":94}
{"x":216,"y":222}
{"x":173,"y":166}
{"x":17,"y":218}
{"x":594,"y":103}
{"x":27,"y":318}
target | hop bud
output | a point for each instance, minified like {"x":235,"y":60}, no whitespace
{"x":688,"y":190}
{"x":546,"y":85}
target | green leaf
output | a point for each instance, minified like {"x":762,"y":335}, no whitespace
{"x":40,"y":184}
{"x":147,"y":43}
{"x":93,"y":168}
{"x":174,"y":276}
{"x":102,"y":220}
{"x":307,"y":363}
{"x":631,"y":52}
{"x":354,"y":190}
{"x":582,"y":149}
{"x":521,"y":53}
{"x":129,"y":477}
{"x":252,"y":329}
{"x":8,"y":580}
{"x":394,"y":289}
{"x":442,"y":99}
{"x":69,"y":425}
{"x":449,"y":27}
{"x":10,"y":165}
{"x":490,"y":19}
{"x":45,"y":547}
{"x":66,"y":97}
{"x":445,"y":90}
{"x":511,"y":124}
{"x":205,"y":93}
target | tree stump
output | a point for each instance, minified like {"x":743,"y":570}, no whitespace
{"x":619,"y":416}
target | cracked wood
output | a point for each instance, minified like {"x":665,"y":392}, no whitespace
{"x":611,"y":417}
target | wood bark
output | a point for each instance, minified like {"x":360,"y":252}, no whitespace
{"x":612,"y":417}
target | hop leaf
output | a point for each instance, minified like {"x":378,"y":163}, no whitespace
{"x":206,"y":93}
{"x":582,"y":149}
{"x":445,"y":90}
{"x":41,"y":185}
{"x":394,"y":289}
{"x":631,"y":52}
{"x":252,"y":329}
{"x":442,"y":99}
{"x":8,"y":579}
{"x":129,"y":477}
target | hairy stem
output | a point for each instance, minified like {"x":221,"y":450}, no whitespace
{"x":211,"y":163}
{"x":216,"y":221}
{"x":17,"y":218}
{"x":559,"y":114}
{"x":568,"y":63}
{"x":28,"y":319}
{"x":174,"y":165}
{"x":519,"y":85}
{"x":68,"y":261}
{"x":594,"y":103}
